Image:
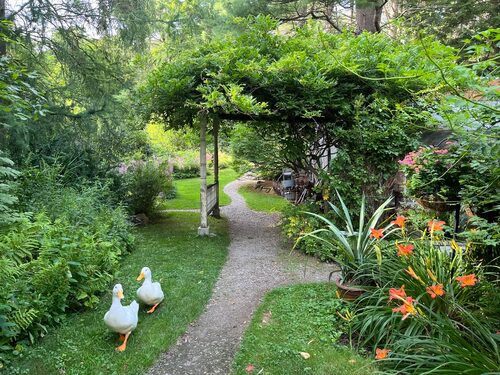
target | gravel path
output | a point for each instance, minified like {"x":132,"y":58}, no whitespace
{"x":256,"y":264}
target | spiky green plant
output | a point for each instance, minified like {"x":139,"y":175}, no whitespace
{"x":354,"y":242}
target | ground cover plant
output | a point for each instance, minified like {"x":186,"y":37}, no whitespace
{"x":261,"y":201}
{"x":187,"y":267}
{"x":188,"y":191}
{"x":296,"y":330}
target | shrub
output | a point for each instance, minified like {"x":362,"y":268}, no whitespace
{"x":295,"y":222}
{"x":59,"y":258}
{"x":143,"y":182}
{"x":7,"y":199}
{"x":434,"y":173}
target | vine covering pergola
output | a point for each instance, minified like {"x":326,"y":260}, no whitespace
{"x":298,"y":87}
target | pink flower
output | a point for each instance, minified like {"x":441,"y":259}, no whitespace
{"x":407,"y":160}
{"x":441,"y":152}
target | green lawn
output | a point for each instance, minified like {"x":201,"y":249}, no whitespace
{"x":188,"y":191}
{"x":187,"y":267}
{"x":260,"y":201}
{"x":301,"y":318}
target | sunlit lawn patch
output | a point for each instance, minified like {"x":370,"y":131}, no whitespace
{"x":188,"y":191}
{"x":187,"y":267}
{"x":260,"y":201}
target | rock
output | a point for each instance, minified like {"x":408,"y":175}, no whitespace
{"x":140,"y":219}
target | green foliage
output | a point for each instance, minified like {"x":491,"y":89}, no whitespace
{"x":7,"y":199}
{"x":483,"y":238}
{"x":480,"y":184}
{"x":249,"y":146}
{"x":187,"y":164}
{"x":309,"y":74}
{"x":366,"y":159}
{"x":295,"y":222}
{"x":354,"y":242}
{"x":143,"y":182}
{"x":300,"y":318}
{"x":452,"y":21}
{"x":52,"y":266}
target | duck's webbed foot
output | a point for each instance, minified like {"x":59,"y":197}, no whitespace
{"x":123,"y":346}
{"x":152,"y":309}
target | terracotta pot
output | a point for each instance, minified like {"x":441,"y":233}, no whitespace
{"x":349,"y":292}
{"x":438,"y":206}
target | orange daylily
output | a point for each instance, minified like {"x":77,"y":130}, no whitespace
{"x":435,"y":290}
{"x":412,"y":273}
{"x":400,"y":221}
{"x":434,"y":225}
{"x":397,"y":293}
{"x":381,"y":353}
{"x":405,"y":249}
{"x":407,"y":308}
{"x":377,"y":233}
{"x":467,"y":280}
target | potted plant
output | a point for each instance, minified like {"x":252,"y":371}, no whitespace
{"x":433,"y":175}
{"x":355,"y":242}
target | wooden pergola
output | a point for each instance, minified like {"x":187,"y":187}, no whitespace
{"x":209,"y":194}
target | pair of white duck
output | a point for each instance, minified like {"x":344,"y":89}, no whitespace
{"x":123,"y":319}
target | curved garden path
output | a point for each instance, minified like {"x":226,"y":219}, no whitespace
{"x":256,"y":264}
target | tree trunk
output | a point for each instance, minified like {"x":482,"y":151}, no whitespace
{"x":368,"y":15}
{"x":3,"y":45}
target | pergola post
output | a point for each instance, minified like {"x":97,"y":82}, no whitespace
{"x":216,"y":123}
{"x":203,"y":229}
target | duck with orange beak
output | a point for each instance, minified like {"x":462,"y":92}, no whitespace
{"x":122,"y":319}
{"x":149,"y":293}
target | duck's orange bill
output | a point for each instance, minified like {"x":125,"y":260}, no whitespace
{"x":120,"y":294}
{"x":141,"y":276}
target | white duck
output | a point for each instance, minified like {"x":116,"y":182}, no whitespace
{"x":122,"y":319}
{"x":149,"y":293}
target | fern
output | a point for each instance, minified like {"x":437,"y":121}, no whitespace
{"x":7,"y":199}
{"x":24,"y":318}
{"x":19,"y":244}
